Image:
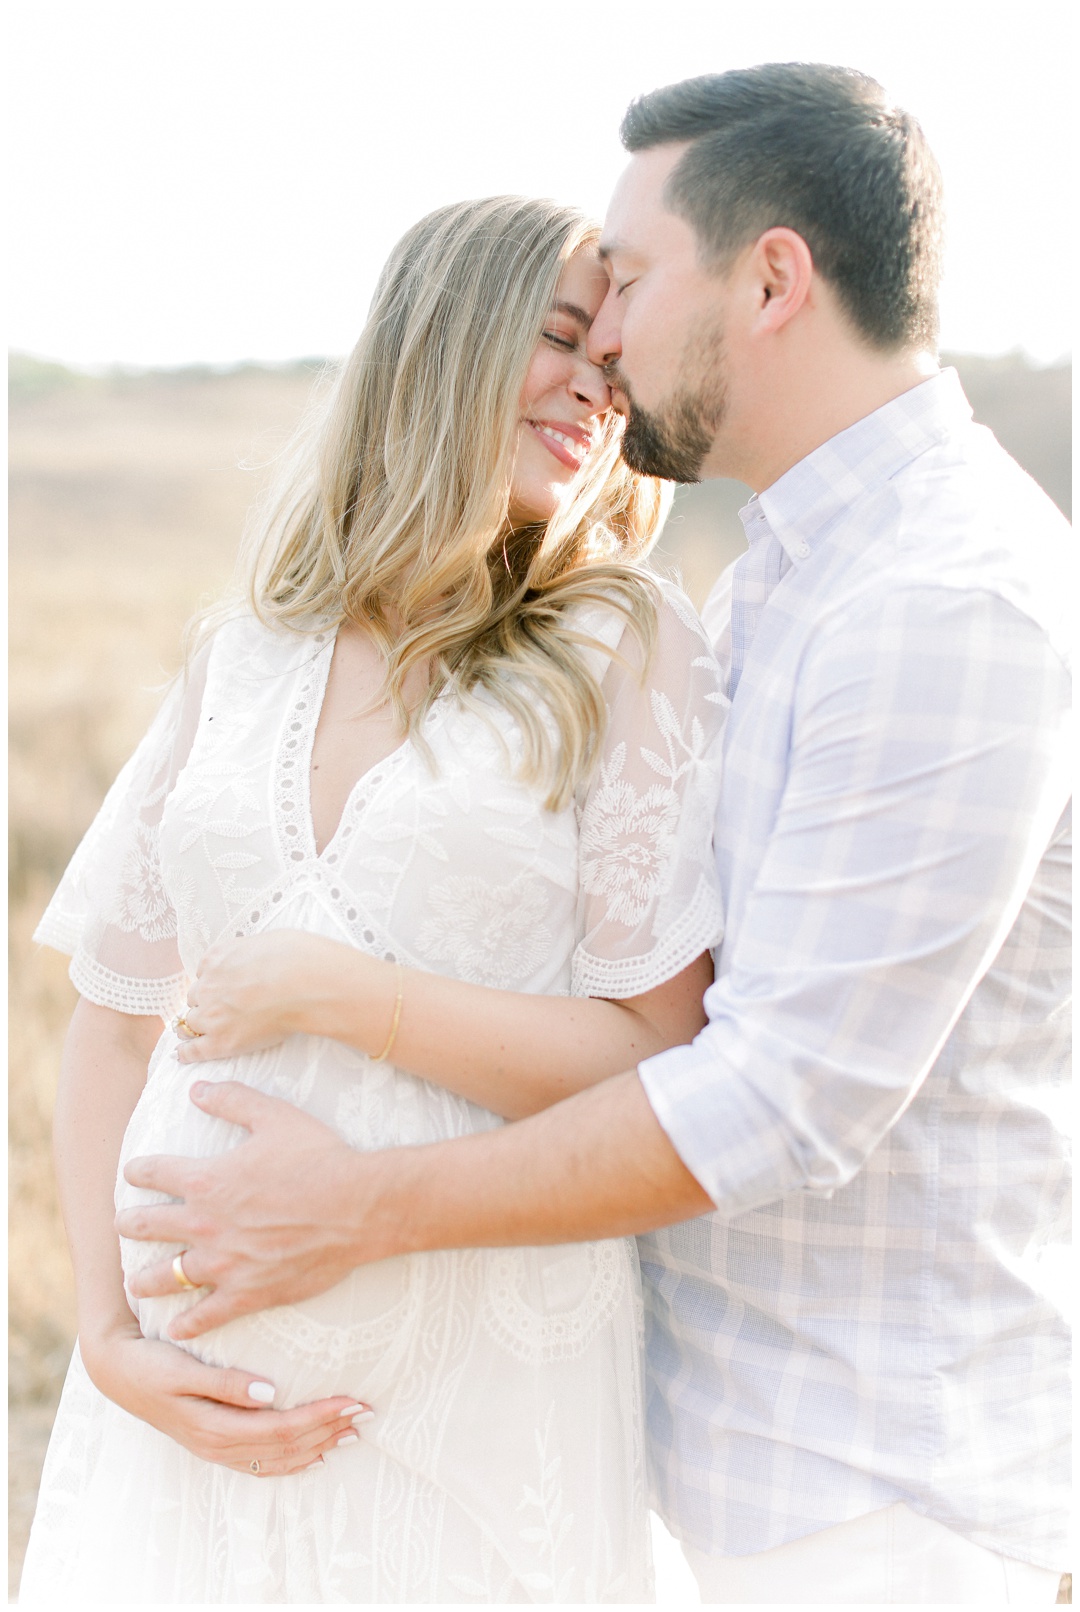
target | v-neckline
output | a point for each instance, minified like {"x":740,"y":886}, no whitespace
{"x":292,"y":770}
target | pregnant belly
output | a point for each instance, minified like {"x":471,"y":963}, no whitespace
{"x":352,"y":1339}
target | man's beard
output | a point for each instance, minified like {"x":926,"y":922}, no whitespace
{"x":672,"y":441}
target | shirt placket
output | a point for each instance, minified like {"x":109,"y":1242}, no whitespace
{"x":755,"y":576}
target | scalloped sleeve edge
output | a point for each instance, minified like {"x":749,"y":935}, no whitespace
{"x":699,"y":928}
{"x":143,"y":998}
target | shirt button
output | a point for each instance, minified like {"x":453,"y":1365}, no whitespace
{"x":803,"y":550}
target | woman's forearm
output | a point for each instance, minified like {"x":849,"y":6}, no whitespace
{"x":103,"y":1071}
{"x":511,"y":1052}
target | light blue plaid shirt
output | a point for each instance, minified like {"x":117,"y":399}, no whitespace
{"x":876,"y":1105}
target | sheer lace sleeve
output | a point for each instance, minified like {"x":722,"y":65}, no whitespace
{"x":650,"y":900}
{"x":111,"y":913}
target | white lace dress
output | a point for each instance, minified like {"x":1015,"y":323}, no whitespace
{"x":505,"y":1463}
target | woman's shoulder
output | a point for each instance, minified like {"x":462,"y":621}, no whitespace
{"x":675,"y":603}
{"x":680,"y":636}
{"x":607,"y":620}
{"x":243,"y":641}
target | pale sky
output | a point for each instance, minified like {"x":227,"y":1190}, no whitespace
{"x":217,"y":180}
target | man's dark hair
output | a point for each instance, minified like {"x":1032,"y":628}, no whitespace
{"x":821,"y":151}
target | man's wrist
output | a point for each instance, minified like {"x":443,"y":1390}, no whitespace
{"x":392,"y":1208}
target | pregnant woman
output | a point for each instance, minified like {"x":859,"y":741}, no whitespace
{"x":459,"y":729}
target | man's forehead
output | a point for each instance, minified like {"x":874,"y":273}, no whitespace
{"x":638,"y":199}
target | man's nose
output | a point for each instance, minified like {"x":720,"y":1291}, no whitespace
{"x":604,"y":344}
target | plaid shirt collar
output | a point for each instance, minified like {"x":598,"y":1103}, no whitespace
{"x":809,"y":499}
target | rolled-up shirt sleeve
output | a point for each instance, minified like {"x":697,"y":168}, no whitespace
{"x":927,"y":773}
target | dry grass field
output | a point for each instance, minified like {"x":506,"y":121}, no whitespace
{"x":128,"y":497}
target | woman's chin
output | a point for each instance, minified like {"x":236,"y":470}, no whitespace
{"x":533,"y":513}
{"x":535,"y":504}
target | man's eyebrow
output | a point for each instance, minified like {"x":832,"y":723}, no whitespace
{"x":608,"y":249}
{"x":574,"y":312}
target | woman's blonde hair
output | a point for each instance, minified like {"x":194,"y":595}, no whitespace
{"x":394,"y":507}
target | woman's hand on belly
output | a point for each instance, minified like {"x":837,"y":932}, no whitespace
{"x":211,"y":1411}
{"x":253,"y":993}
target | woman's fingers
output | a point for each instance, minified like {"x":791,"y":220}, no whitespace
{"x":281,"y":1441}
{"x":220,"y":1414}
{"x":228,"y":1386}
{"x":305,"y":1426}
{"x":300,"y":1425}
{"x":203,"y":1048}
{"x":298,"y":1457}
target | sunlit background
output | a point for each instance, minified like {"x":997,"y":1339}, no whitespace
{"x":203,"y":195}
{"x":221,"y":179}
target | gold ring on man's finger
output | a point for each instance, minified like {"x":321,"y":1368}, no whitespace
{"x":181,"y":1275}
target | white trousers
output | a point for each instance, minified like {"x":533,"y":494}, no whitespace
{"x":886,"y":1556}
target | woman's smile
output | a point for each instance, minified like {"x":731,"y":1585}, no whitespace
{"x":570,"y":444}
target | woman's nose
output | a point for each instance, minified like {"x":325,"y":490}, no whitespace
{"x":590,"y":387}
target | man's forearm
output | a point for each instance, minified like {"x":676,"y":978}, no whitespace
{"x":293,"y":1209}
{"x":597,"y":1165}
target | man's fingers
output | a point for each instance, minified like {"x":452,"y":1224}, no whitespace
{"x":158,"y":1281}
{"x":160,"y":1173}
{"x":155,"y":1223}
{"x":242,"y":1105}
{"x":212,"y":1311}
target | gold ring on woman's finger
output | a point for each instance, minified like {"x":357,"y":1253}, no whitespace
{"x":181,"y":1275}
{"x":180,"y":1024}
{"x":253,"y":1466}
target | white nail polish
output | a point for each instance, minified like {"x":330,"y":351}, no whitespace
{"x":365,"y":1416}
{"x":262,"y":1393}
{"x":352,"y":1410}
{"x":349,"y":1438}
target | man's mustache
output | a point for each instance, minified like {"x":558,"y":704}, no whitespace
{"x":617,"y":382}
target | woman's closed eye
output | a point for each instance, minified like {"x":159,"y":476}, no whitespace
{"x":568,"y":344}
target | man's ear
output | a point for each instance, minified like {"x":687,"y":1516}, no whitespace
{"x":782,"y":270}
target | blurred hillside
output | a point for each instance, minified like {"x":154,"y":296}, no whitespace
{"x":167,"y":460}
{"x":128,"y":497}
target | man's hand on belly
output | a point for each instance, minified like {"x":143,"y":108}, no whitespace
{"x":293,"y":1209}
{"x":272,"y":1221}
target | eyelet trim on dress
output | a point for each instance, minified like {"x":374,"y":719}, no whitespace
{"x":292,"y":765}
{"x":537,"y":1337}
